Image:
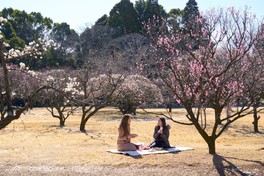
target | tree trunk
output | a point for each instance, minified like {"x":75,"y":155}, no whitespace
{"x":255,"y":122}
{"x":82,"y":125}
{"x":169,"y":106}
{"x":83,"y":119}
{"x":87,"y":114}
{"x":121,"y":110}
{"x":129,"y":109}
{"x":218,"y":115}
{"x":62,"y":118}
{"x":62,"y":123}
{"x":211,"y":145}
{"x":210,"y":140}
{"x":6,"y":121}
{"x":8,"y":102}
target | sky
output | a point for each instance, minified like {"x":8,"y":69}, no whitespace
{"x":80,"y":14}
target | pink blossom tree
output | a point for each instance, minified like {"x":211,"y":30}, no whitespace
{"x":258,"y":52}
{"x":216,"y":74}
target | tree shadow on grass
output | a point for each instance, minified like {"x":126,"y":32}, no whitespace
{"x":253,"y":161}
{"x":225,"y":167}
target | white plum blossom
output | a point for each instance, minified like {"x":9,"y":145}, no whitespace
{"x":144,"y":90}
{"x":81,"y":93}
{"x":72,"y":79}
{"x":32,"y":73}
{"x":31,"y":43}
{"x":50,"y":78}
{"x":71,"y":88}
{"x":6,"y":44}
{"x":22,"y":66}
{"x":3,"y":20}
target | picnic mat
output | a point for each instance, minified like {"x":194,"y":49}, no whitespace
{"x":150,"y":151}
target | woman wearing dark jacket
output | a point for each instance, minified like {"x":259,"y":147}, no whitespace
{"x":161,"y":134}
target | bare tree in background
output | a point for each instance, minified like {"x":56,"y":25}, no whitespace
{"x":93,"y":93}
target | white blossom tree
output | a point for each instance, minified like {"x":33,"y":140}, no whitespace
{"x":138,"y":91}
{"x":34,"y":49}
{"x":57,"y":98}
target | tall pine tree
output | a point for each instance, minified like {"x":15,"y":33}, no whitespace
{"x":124,"y":18}
{"x":193,"y":23}
{"x":191,"y":13}
{"x":148,"y":9}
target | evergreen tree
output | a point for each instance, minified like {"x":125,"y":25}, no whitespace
{"x":174,"y":19}
{"x":102,"y":20}
{"x":11,"y":37}
{"x":191,"y":13}
{"x":28,"y":27}
{"x":148,"y":9}
{"x":193,"y":23}
{"x":124,"y":18}
{"x":23,"y":28}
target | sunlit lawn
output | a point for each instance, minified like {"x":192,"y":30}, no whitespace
{"x":37,"y":140}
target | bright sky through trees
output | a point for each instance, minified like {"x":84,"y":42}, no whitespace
{"x":82,"y":13}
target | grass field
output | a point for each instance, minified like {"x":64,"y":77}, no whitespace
{"x":36,"y":145}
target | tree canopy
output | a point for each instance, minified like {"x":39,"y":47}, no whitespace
{"x":124,"y":17}
{"x":216,"y":75}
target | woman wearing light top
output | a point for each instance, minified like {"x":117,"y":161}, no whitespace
{"x":124,"y":136}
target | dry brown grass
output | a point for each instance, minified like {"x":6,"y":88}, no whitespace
{"x":35,"y":145}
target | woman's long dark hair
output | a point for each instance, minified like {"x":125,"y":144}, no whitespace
{"x":124,"y":124}
{"x":163,"y":122}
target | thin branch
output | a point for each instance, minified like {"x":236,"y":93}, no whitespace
{"x":168,"y":117}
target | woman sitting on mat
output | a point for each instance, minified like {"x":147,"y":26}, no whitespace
{"x":124,"y":136}
{"x":161,"y":135}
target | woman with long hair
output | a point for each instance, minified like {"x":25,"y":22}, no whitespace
{"x":161,"y":135}
{"x":124,"y":136}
